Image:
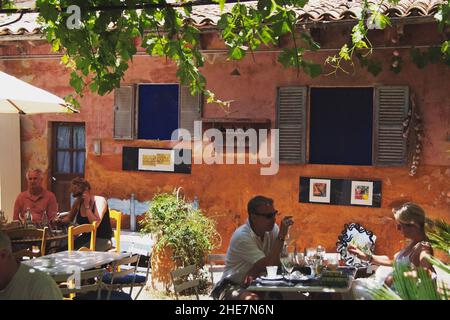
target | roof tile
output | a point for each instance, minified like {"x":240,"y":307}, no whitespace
{"x":315,"y":11}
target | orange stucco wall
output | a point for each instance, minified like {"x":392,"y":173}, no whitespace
{"x":223,"y":190}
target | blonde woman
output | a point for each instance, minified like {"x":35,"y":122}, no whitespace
{"x":410,"y":219}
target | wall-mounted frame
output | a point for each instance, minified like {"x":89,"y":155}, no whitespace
{"x":156,"y":160}
{"x":319,"y":190}
{"x":361,"y":193}
{"x":345,"y":192}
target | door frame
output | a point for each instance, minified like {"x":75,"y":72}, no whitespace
{"x":54,"y":176}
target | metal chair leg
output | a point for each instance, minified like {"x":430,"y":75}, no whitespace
{"x":139,"y":292}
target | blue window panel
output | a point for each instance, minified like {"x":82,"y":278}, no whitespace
{"x":341,"y":121}
{"x":158,"y":111}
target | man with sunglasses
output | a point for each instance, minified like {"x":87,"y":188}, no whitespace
{"x":253,"y":246}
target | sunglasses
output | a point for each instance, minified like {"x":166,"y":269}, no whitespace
{"x":403,"y":225}
{"x":269,"y":215}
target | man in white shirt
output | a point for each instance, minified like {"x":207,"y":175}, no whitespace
{"x":253,"y":246}
{"x":21,"y":282}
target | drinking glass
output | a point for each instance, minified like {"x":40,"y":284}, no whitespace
{"x":288,"y":260}
{"x":333,"y":262}
{"x":300,"y":259}
{"x":271,"y":271}
{"x":310,"y":252}
{"x":320,"y":251}
{"x":3,"y":218}
{"x":22,"y":217}
{"x":310,"y":257}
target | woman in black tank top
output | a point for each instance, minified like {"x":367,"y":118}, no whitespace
{"x":86,"y":209}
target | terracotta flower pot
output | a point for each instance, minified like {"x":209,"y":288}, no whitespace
{"x":162,"y":265}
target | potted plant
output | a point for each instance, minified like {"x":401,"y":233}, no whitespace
{"x":184,"y":235}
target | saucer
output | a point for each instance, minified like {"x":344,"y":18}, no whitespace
{"x":305,"y":277}
{"x":277,"y":277}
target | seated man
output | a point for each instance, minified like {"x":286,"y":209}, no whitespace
{"x":36,"y":198}
{"x":21,"y":282}
{"x":253,"y":246}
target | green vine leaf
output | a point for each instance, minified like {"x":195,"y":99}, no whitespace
{"x":344,"y":53}
{"x":313,"y":45}
{"x":289,"y":57}
{"x":312,"y":69}
{"x":374,"y":67}
{"x":434,"y":55}
{"x":418,"y":58}
{"x":445,"y":48}
{"x":377,"y":20}
{"x":101,"y":48}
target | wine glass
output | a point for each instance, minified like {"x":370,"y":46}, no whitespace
{"x":310,"y":252}
{"x":288,"y":260}
{"x":310,"y":257}
{"x":320,"y":251}
{"x":3,"y":218}
{"x":333,"y":262}
{"x":22,"y":218}
{"x":300,"y":259}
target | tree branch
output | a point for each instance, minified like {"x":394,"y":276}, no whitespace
{"x":124,"y":7}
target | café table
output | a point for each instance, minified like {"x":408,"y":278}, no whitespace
{"x":10,"y":226}
{"x":66,"y":262}
{"x":313,"y":285}
{"x":52,"y":237}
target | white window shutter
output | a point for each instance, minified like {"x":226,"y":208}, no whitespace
{"x":391,"y":110}
{"x":190,"y":110}
{"x":124,"y":105}
{"x":291,"y":121}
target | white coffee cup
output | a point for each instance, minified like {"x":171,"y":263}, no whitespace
{"x":272,"y":271}
{"x":48,"y":262}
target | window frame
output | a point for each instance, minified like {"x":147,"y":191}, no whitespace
{"x":137,"y":105}
{"x":308,"y":123}
{"x":71,"y":150}
{"x":383,"y":96}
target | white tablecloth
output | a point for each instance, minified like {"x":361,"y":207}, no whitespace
{"x":66,"y":261}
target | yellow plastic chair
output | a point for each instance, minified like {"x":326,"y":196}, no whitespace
{"x":116,"y":215}
{"x":84,"y":228}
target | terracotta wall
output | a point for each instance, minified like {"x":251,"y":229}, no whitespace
{"x":223,"y":190}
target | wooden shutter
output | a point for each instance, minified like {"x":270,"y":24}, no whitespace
{"x":124,"y":106}
{"x":190,"y":109}
{"x":391,"y":109}
{"x":291,"y":121}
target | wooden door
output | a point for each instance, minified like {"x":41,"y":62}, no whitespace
{"x":69,"y":156}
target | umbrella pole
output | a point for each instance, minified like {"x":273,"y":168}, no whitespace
{"x":70,"y":108}
{"x":13,"y":104}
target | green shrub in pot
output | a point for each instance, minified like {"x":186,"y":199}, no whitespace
{"x":187,"y":232}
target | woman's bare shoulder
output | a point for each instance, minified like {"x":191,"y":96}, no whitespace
{"x":424,"y":245}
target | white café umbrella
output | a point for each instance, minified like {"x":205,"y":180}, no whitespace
{"x":17,"y":96}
